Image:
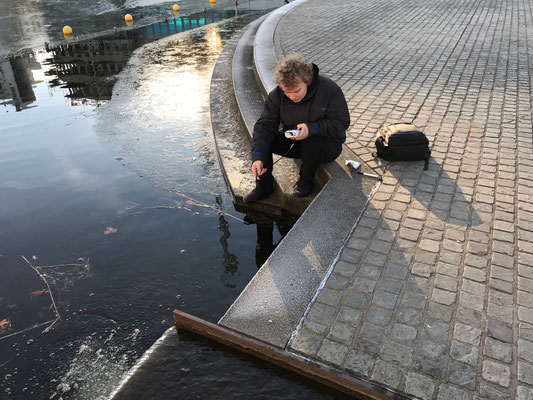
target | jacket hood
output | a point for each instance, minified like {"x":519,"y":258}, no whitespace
{"x":311,"y":89}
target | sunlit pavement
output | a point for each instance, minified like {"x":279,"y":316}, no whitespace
{"x":433,"y":294}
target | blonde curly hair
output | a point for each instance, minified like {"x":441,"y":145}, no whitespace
{"x":291,"y":68}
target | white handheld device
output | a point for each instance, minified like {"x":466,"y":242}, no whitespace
{"x":292,"y":133}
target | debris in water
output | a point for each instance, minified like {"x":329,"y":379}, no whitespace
{"x":37,"y":293}
{"x":109,"y":230}
{"x":63,"y":303}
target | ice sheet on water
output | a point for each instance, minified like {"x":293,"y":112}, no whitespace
{"x":141,"y":3}
{"x":97,"y":367}
{"x":86,"y":7}
{"x":158,"y":119}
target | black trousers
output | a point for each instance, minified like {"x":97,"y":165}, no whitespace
{"x":313,"y":152}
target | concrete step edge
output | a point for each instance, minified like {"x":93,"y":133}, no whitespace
{"x":231,"y":139}
{"x":250,"y":103}
{"x":272,"y":304}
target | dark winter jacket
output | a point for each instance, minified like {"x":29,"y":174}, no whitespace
{"x":323,"y":110}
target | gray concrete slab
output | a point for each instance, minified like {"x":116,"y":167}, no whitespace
{"x":249,"y":98}
{"x":250,"y":103}
{"x":231,"y":138}
{"x":272,"y":304}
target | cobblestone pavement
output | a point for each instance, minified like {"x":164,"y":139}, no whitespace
{"x":433,"y":294}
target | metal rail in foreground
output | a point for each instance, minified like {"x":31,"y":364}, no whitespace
{"x":316,"y":372}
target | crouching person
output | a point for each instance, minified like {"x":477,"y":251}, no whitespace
{"x":304,"y":101}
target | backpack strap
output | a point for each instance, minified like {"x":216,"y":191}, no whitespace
{"x":426,"y":160}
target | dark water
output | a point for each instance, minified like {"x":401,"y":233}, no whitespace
{"x":181,"y":366}
{"x":111,"y":190}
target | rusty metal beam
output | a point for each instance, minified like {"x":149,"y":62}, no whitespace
{"x":317,"y":372}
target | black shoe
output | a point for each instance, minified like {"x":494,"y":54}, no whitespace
{"x":303,"y":188}
{"x":257,"y":194}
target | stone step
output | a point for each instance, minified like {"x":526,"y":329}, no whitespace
{"x":231,"y":138}
{"x":250,"y":102}
{"x":271,"y":306}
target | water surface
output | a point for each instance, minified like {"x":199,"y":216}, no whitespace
{"x":111,"y":190}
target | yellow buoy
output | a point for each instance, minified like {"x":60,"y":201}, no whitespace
{"x":67,"y":30}
{"x":211,"y":2}
{"x":175,"y":8}
{"x":128,"y":18}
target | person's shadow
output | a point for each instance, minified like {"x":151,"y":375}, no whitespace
{"x":401,"y":268}
{"x":442,"y":195}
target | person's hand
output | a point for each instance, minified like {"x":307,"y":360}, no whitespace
{"x":257,"y":169}
{"x":304,"y":132}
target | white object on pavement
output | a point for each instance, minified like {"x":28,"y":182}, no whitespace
{"x":353,"y":163}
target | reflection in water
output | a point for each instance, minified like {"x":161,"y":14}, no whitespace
{"x":16,"y":80}
{"x":231,"y":263}
{"x":266,"y":243}
{"x":265,"y":234}
{"x":87,"y":69}
{"x":29,"y":23}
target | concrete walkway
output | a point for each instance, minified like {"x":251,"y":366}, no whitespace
{"x":433,"y":295}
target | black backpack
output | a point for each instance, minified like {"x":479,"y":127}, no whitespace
{"x":402,"y":142}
